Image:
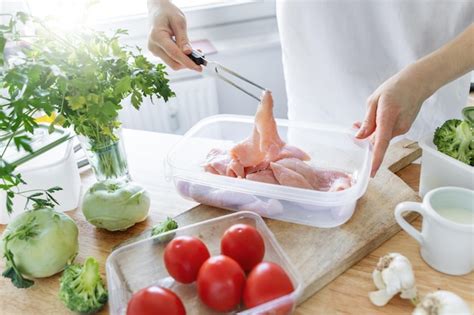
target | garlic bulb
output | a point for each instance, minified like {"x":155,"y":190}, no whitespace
{"x":442,"y":303}
{"x":392,"y":275}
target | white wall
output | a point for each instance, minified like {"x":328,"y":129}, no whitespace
{"x":262,"y":66}
{"x":252,"y":49}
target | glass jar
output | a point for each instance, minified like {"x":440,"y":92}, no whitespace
{"x":108,"y":159}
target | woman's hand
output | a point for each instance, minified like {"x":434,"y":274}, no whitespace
{"x":168,"y":38}
{"x":391,"y":110}
{"x":393,"y":107}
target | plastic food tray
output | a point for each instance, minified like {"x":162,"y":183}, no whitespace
{"x":439,"y":169}
{"x":330,"y":147}
{"x":139,"y":265}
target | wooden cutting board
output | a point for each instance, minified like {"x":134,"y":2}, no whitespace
{"x":320,"y":255}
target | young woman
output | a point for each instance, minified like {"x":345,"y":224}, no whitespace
{"x":402,"y":63}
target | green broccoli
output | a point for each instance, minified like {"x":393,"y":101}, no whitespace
{"x":81,"y":287}
{"x":168,"y":225}
{"x":456,"y":139}
{"x":468,"y":114}
{"x":165,"y":226}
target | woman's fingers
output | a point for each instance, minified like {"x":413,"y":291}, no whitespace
{"x":172,"y":50}
{"x":179,"y":28}
{"x":168,"y":38}
{"x":383,"y":135}
{"x":368,"y":126}
{"x":379,"y":124}
{"x":157,"y":51}
{"x":380,"y":147}
{"x":356,"y":125}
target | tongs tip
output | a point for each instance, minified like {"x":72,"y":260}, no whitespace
{"x":233,"y":73}
{"x":199,"y":59}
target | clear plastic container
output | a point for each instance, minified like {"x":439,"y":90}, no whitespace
{"x":140,"y":264}
{"x":330,"y":147}
{"x":51,"y":166}
{"x":439,"y":169}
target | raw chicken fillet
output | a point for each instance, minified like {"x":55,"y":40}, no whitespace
{"x":265,"y":157}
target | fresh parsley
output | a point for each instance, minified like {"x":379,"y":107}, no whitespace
{"x":82,"y":78}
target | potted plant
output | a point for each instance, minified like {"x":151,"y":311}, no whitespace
{"x":80,"y":79}
{"x":83,"y":79}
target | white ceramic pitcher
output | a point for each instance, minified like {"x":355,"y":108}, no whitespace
{"x":446,"y":245}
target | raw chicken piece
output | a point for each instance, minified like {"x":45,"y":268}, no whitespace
{"x":254,"y":169}
{"x":217,"y":197}
{"x":269,"y":208}
{"x":341,"y":183}
{"x":229,"y":199}
{"x":264,"y":145}
{"x":302,"y":168}
{"x":265,"y":176}
{"x":288,"y":177}
{"x":235,"y":169}
{"x":264,"y":157}
{"x":333,"y":180}
{"x":319,"y":179}
{"x":217,"y":162}
{"x":289,"y":151}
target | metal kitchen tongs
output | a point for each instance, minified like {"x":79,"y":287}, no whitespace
{"x":216,"y":69}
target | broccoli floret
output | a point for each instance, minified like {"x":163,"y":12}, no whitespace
{"x":456,"y":139}
{"x":164,"y":227}
{"x":81,"y":287}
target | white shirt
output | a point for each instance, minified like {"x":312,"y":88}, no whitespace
{"x":337,"y":52}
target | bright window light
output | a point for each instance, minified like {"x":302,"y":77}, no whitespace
{"x":78,"y":11}
{"x":70,"y":15}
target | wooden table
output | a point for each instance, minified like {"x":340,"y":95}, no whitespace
{"x":345,"y":295}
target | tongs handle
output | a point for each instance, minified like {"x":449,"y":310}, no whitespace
{"x":197,"y":58}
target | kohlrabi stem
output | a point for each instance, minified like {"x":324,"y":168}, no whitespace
{"x":415,"y":300}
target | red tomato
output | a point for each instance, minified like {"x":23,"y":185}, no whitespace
{"x":244,"y":244}
{"x":220,"y":283}
{"x":155,"y":300}
{"x":183,"y":257}
{"x":266,"y":282}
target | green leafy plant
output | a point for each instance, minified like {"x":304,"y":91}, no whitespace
{"x":82,"y":78}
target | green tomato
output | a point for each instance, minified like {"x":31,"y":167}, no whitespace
{"x":54,"y":245}
{"x":114,"y":205}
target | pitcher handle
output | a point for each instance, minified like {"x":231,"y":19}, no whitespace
{"x":409,"y":206}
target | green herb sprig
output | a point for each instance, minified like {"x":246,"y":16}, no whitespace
{"x":81,"y":77}
{"x":168,"y":225}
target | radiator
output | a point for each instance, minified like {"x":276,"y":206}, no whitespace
{"x":195,"y":99}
